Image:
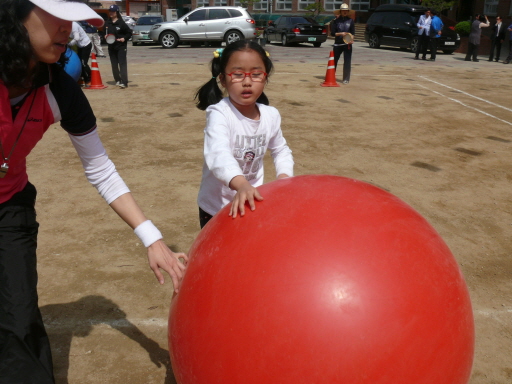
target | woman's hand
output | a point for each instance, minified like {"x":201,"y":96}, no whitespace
{"x":161,"y":257}
{"x":245,"y":192}
{"x":121,"y":39}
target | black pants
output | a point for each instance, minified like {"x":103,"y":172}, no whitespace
{"x":25,"y":355}
{"x":472,"y":52}
{"x":433,"y":47}
{"x":347,"y":59}
{"x":423,"y":45}
{"x":509,"y":57}
{"x":119,"y":64}
{"x":495,"y":45}
{"x":83,"y":54}
{"x":204,"y":218}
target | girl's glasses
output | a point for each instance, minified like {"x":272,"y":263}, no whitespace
{"x":256,"y":76}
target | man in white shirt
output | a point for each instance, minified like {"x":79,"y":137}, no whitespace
{"x":423,"y":34}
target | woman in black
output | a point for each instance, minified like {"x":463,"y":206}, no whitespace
{"x":117,"y":51}
{"x":341,"y":26}
{"x":34,"y":94}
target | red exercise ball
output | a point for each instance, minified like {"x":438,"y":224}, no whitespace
{"x":330,"y":280}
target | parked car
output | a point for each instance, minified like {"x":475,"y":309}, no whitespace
{"x":142,"y":28}
{"x":130,"y":21}
{"x":296,"y":29}
{"x":395,"y":25}
{"x":227,"y":24}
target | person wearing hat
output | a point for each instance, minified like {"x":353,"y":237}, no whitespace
{"x":36,"y":92}
{"x":117,"y":51}
{"x":341,"y":26}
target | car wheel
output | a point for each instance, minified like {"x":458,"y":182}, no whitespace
{"x":169,"y":39}
{"x":374,"y":41}
{"x":317,"y":45}
{"x":284,"y":40}
{"x":134,"y":44}
{"x":448,"y":51}
{"x":415,"y":44}
{"x":232,"y":36}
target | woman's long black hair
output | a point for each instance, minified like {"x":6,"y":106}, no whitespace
{"x":16,"y":54}
{"x":210,"y":93}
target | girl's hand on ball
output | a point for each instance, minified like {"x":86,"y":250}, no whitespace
{"x":245,"y":192}
{"x":161,"y":257}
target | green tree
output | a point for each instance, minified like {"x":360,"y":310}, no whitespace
{"x":314,"y":9}
{"x":246,"y":3}
{"x":438,"y":5}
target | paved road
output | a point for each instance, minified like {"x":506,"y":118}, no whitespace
{"x":303,"y":53}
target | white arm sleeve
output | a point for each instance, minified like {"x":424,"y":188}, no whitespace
{"x":281,"y":153}
{"x":99,"y":169}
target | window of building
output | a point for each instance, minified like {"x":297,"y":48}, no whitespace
{"x":491,"y":7}
{"x":331,"y":5}
{"x":304,"y":3}
{"x":261,"y":5}
{"x":203,"y":3}
{"x":360,"y":5}
{"x":220,"y":2}
{"x":284,"y":5}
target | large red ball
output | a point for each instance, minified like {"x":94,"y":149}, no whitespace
{"x":329,"y":280}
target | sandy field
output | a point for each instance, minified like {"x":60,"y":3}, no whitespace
{"x":437,"y":135}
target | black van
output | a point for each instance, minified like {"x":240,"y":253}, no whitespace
{"x":395,"y":25}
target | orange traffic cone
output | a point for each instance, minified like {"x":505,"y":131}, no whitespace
{"x":330,"y":75}
{"x":96,"y":82}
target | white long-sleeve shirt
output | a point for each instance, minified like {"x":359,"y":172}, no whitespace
{"x":78,"y":36}
{"x":424,"y":25}
{"x":235,"y":145}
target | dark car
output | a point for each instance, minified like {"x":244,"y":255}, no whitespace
{"x":394,"y":25}
{"x":296,"y":29}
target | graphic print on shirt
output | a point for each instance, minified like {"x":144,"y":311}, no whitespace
{"x":249,"y":152}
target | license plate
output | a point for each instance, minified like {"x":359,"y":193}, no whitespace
{"x":449,"y":43}
{"x":311,"y":38}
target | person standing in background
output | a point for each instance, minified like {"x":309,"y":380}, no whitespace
{"x":498,"y":35}
{"x":92,"y":33}
{"x":81,"y":40}
{"x":424,"y":36}
{"x":509,"y":57}
{"x":341,"y":26}
{"x":474,"y":37}
{"x":436,"y":28}
{"x":117,"y":51}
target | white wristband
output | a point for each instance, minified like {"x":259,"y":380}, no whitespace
{"x":147,"y":233}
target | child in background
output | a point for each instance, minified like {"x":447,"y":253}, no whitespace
{"x":239,"y":129}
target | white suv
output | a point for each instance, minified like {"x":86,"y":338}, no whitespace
{"x":227,"y":24}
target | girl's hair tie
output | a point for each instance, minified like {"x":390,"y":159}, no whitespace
{"x":218,"y":53}
{"x":268,"y":54}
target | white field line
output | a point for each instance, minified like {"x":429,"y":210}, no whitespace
{"x":114,"y":323}
{"x":467,"y":106}
{"x":162,"y":322}
{"x":465,"y":93}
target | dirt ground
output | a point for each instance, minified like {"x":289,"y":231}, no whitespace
{"x":439,"y":138}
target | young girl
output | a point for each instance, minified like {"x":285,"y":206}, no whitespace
{"x":239,"y":129}
{"x":35,"y":93}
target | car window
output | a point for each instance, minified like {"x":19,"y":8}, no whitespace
{"x":235,"y":13}
{"x":376,"y":18}
{"x":389,"y":18}
{"x":197,"y":15}
{"x":149,"y":20}
{"x":402,"y":18}
{"x":215,"y":14}
{"x":299,"y":20}
{"x":281,"y":21}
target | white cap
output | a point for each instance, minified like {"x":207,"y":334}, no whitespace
{"x":70,"y":10}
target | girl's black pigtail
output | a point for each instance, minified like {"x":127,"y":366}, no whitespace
{"x":210,"y":93}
